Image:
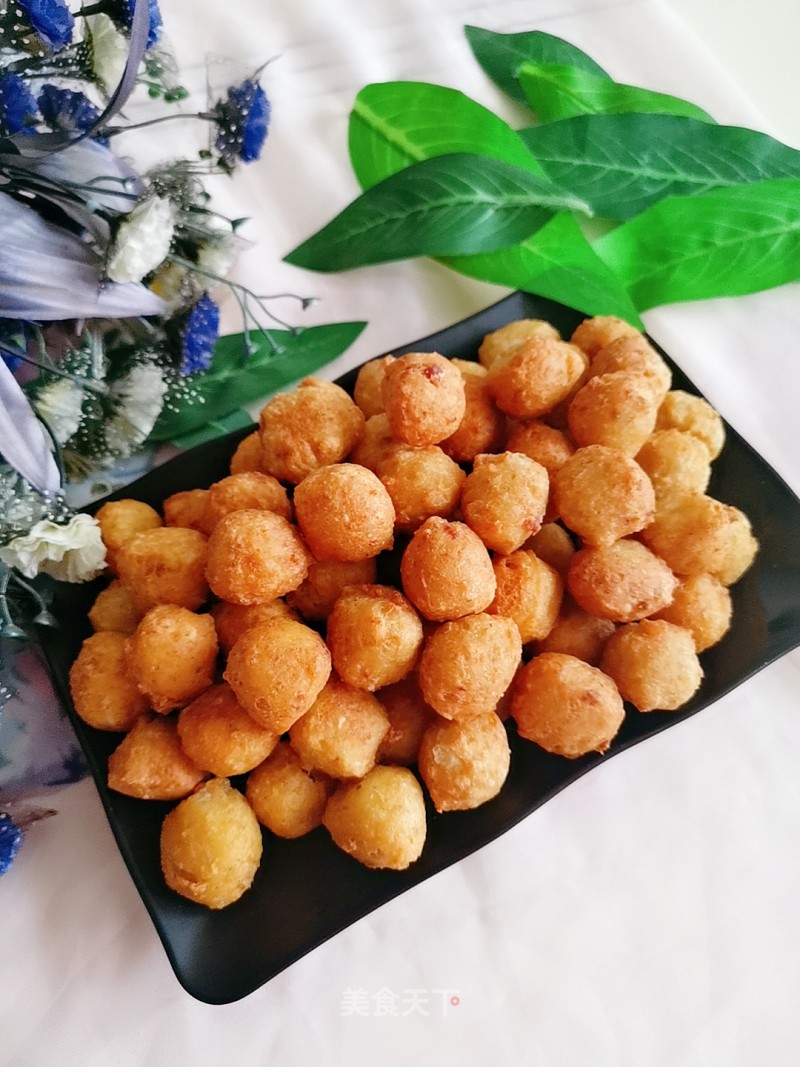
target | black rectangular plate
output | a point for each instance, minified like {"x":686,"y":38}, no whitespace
{"x":308,"y":890}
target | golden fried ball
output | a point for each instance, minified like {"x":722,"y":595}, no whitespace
{"x":529,"y":591}
{"x":446,"y":571}
{"x":326,"y":581}
{"x":504,"y":499}
{"x":696,"y":534}
{"x":114,"y":609}
{"x":341,"y":732}
{"x":374,"y":635}
{"x":565,"y":705}
{"x":623,"y":581}
{"x":104,"y":693}
{"x":635,"y":355}
{"x":553,"y":545}
{"x":504,"y":342}
{"x":692,"y":414}
{"x":654,"y":664}
{"x":421,"y":482}
{"x":545,"y":444}
{"x":601,"y":495}
{"x":595,"y":333}
{"x":379,"y":820}
{"x":344,"y":512}
{"x":703,"y":606}
{"x":424,"y":398}
{"x":313,"y":425}
{"x":467,"y":664}
{"x":368,"y":390}
{"x":376,"y":444}
{"x":617,"y":410}
{"x":464,"y":763}
{"x":231,"y":620}
{"x":185,"y":509}
{"x":469,"y":368}
{"x":150,"y":764}
{"x":219,"y":736}
{"x":577,"y":633}
{"x":211,"y":845}
{"x":247,"y":454}
{"x":277,"y":669}
{"x":535,"y":377}
{"x":119,"y":521}
{"x":173,"y":655}
{"x":248,"y":489}
{"x":675,"y":462}
{"x":483,"y":427}
{"x":286,"y":799}
{"x":165,"y":565}
{"x":255,"y":556}
{"x":409,"y":717}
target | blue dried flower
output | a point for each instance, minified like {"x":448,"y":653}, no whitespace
{"x":18,"y":112}
{"x":243,"y":122}
{"x":13,"y":334}
{"x":10,"y":841}
{"x":199,"y":336}
{"x":51,"y":19}
{"x":65,"y":110}
{"x":155,"y":24}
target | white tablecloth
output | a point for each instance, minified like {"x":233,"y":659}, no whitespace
{"x":648,"y":915}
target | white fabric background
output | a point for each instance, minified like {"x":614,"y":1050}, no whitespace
{"x":647,"y":915}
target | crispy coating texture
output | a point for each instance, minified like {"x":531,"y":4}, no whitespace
{"x":368,"y":390}
{"x":376,"y":444}
{"x":247,"y":455}
{"x":654,"y":664}
{"x":248,"y":489}
{"x":703,"y":606}
{"x":313,"y":425}
{"x":467,"y":664}
{"x":553,"y":545}
{"x":504,"y":342}
{"x":565,"y":705}
{"x":504,"y":499}
{"x":464,"y":763}
{"x":623,"y":581}
{"x":173,"y":656}
{"x":379,"y":820}
{"x":114,"y":609}
{"x":255,"y":556}
{"x":529,"y":591}
{"x":149,"y":763}
{"x":185,"y":509}
{"x":277,"y":669}
{"x":446,"y":571}
{"x":633,"y":354}
{"x":231,"y":620}
{"x":675,"y":462}
{"x":596,"y":332}
{"x":374,"y":635}
{"x":119,"y":521}
{"x":165,"y":565}
{"x":577,"y":633}
{"x":692,"y":414}
{"x":536,"y":377}
{"x":341,"y":732}
{"x":421,"y":482}
{"x":211,"y":845}
{"x":483,"y":426}
{"x":104,"y":693}
{"x":219,"y":736}
{"x":345,"y":513}
{"x":285,"y":798}
{"x":424,"y":398}
{"x":601,"y":494}
{"x":546,"y":444}
{"x":617,"y":410}
{"x":409,"y":717}
{"x":326,"y":581}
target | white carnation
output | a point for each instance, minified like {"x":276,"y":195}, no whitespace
{"x":109,"y":50}
{"x":139,"y":398}
{"x":142,"y":241}
{"x":72,"y":553}
{"x":60,"y":404}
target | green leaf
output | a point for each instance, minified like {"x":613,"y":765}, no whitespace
{"x":622,"y":164}
{"x":277,"y":360}
{"x":394,"y":124}
{"x":449,"y":205}
{"x":502,"y":54}
{"x":728,"y":242}
{"x":237,"y":420}
{"x":559,"y":91}
{"x":557,"y":262}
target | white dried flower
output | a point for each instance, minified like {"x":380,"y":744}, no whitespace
{"x":142,"y":241}
{"x":60,"y":404}
{"x":109,"y":51}
{"x":72,"y":553}
{"x":139,"y":397}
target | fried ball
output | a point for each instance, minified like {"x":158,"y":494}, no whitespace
{"x":165,"y":565}
{"x":464,"y":763}
{"x":529,"y":591}
{"x":553,"y":545}
{"x":483,"y":427}
{"x":277,"y":669}
{"x":104,"y":693}
{"x":376,"y":444}
{"x":114,"y":609}
{"x":173,"y":655}
{"x":255,"y":556}
{"x":219,"y":736}
{"x":504,"y":342}
{"x":446,"y":571}
{"x":374,"y":635}
{"x":231,"y":620}
{"x":654,"y":664}
{"x":675,"y":462}
{"x":248,"y":489}
{"x":247,"y":454}
{"x":692,"y":414}
{"x":469,"y":368}
{"x":409,"y":717}
{"x":601,"y":495}
{"x":617,"y":410}
{"x":421,"y":482}
{"x":635,"y":355}
{"x":286,"y":799}
{"x":504,"y":499}
{"x":536,"y":377}
{"x":696,"y":534}
{"x":211,"y":845}
{"x":341,"y":732}
{"x":702,"y":605}
{"x":368,"y":390}
{"x":424,"y":398}
{"x":326,"y":581}
{"x":597,"y":332}
{"x":545,"y":444}
{"x":344,"y":512}
{"x":119,"y":521}
{"x":623,"y":581}
{"x":314,"y":425}
{"x":150,"y":764}
{"x":565,"y":705}
{"x":185,"y":509}
{"x":577,"y":633}
{"x":380,"y":820}
{"x":467,"y":664}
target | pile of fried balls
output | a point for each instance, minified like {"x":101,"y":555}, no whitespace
{"x":343,"y":624}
